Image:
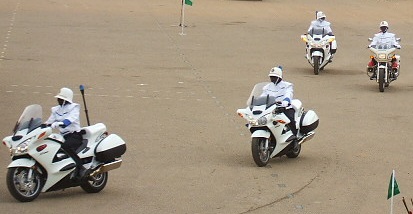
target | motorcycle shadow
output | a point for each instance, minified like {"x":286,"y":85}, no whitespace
{"x":282,"y":162}
{"x":65,"y":194}
{"x":330,"y":71}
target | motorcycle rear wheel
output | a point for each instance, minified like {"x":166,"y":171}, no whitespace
{"x":316,"y":61}
{"x":96,"y":184}
{"x":294,"y":152}
{"x":21,"y":185}
{"x":260,"y":154}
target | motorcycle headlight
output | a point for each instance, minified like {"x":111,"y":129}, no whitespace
{"x":262,"y":121}
{"x":382,"y":56}
{"x":21,"y":148}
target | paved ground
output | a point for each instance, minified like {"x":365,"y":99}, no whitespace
{"x":173,"y":99}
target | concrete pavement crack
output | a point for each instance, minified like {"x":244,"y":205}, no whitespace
{"x":282,"y":198}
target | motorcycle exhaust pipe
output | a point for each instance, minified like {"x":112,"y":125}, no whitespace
{"x":107,"y":167}
{"x":307,"y":137}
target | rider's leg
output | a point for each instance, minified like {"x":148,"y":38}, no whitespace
{"x":72,"y":142}
{"x":333,"y":49}
{"x":290,"y":114}
{"x":395,"y":65}
{"x":371,"y":68}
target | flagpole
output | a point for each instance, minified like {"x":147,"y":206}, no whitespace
{"x":392,"y":192}
{"x":182,"y":18}
{"x":182,"y":9}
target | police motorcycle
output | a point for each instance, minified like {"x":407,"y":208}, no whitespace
{"x":318,"y":48}
{"x":39,"y":164}
{"x":271,"y":135}
{"x":383,"y":57}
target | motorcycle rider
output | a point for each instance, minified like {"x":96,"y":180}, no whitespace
{"x":384,"y":37}
{"x":65,"y":117}
{"x":321,"y":26}
{"x":283,"y":93}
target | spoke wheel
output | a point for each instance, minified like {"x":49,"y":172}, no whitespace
{"x":24,"y":184}
{"x":260,"y":153}
{"x":96,"y":183}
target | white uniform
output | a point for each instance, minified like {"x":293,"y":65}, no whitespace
{"x":385,"y":38}
{"x":283,"y":91}
{"x":69,"y":115}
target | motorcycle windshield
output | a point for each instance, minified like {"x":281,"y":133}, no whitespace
{"x":256,"y":98}
{"x":30,"y":119}
{"x":317,"y":31}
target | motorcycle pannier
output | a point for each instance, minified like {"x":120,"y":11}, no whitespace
{"x":110,"y":148}
{"x":309,"y":122}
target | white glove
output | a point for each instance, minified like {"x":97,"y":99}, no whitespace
{"x":285,"y":103}
{"x":398,"y":46}
{"x":56,"y":125}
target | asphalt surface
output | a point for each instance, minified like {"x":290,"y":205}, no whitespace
{"x":173,"y":99}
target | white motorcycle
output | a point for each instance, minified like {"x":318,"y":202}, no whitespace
{"x":383,"y":72}
{"x":318,"y":49}
{"x":39,"y":164}
{"x":269,"y":127}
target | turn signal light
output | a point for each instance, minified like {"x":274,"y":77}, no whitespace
{"x":281,"y":121}
{"x":41,"y":135}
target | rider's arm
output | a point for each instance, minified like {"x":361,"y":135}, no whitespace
{"x":52,"y":117}
{"x":288,"y":96}
{"x":374,"y":42}
{"x":329,"y":30}
{"x":395,"y":43}
{"x":311,"y":27}
{"x":72,"y":116}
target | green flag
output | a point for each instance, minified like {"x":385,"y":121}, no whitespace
{"x":393,"y":187}
{"x":188,"y":2}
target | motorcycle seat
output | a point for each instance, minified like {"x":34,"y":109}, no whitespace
{"x":92,"y":130}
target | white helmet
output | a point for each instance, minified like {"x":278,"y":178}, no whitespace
{"x":65,"y":94}
{"x":276,"y":72}
{"x":384,"y":24}
{"x":320,"y":15}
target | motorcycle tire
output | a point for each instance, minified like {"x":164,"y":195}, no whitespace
{"x":294,"y":152}
{"x":381,"y":79}
{"x":21,"y":187}
{"x":316,"y":61}
{"x":95,"y":184}
{"x":260,"y":155}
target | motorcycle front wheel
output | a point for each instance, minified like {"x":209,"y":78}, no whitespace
{"x":24,"y":183}
{"x":316,"y":61}
{"x":260,"y":154}
{"x":381,"y":79}
{"x":95,"y":184}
